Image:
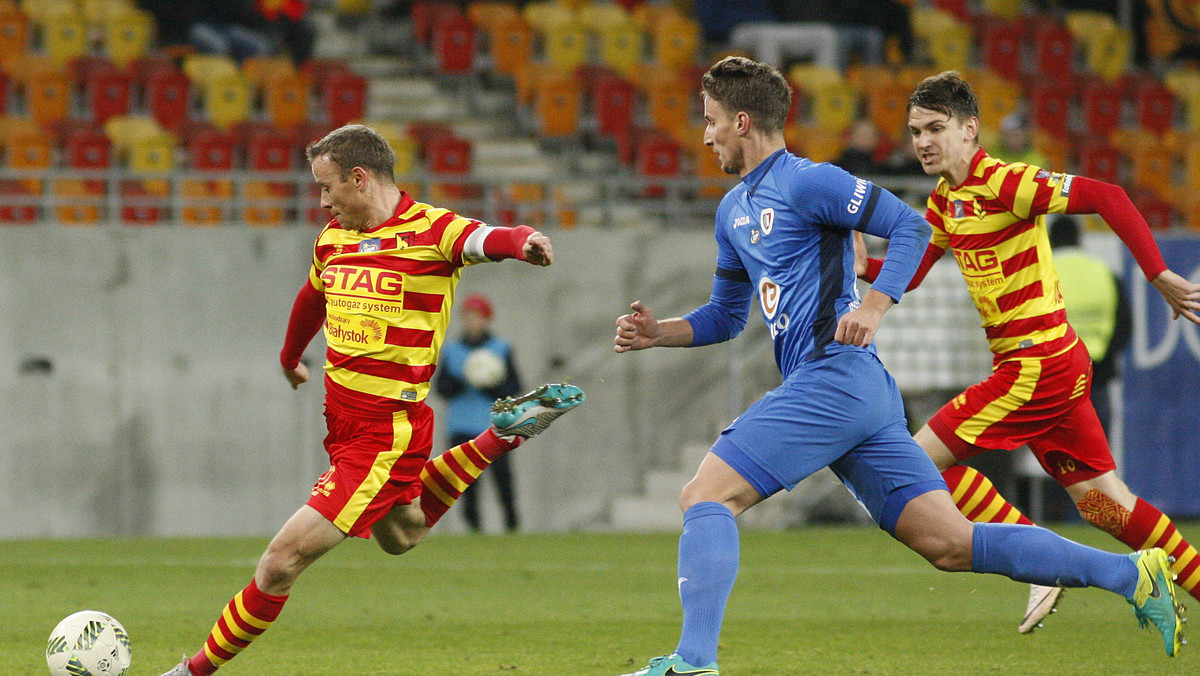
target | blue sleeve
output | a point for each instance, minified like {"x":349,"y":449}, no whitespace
{"x":724,"y":316}
{"x":839,"y":198}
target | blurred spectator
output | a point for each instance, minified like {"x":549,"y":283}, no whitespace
{"x":864,"y":154}
{"x":863,"y":25}
{"x":1016,"y":142}
{"x":1096,"y":307}
{"x":718,"y":18}
{"x":288,"y":25}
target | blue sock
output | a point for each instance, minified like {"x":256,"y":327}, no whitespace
{"x":1038,"y":556}
{"x":708,"y":565}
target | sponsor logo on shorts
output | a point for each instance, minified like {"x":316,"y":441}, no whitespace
{"x":325,"y":484}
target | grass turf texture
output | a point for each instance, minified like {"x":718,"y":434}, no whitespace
{"x":820,"y":600}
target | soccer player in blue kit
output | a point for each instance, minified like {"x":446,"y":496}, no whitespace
{"x":785,"y":234}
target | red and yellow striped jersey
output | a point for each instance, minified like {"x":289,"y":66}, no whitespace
{"x":994,"y":224}
{"x":388,"y":293}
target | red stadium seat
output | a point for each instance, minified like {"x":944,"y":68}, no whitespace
{"x":426,"y":16}
{"x":1050,"y":108}
{"x":454,"y":45}
{"x":1100,"y":161}
{"x":1101,"y":105}
{"x":87,"y":149}
{"x":270,"y":151}
{"x":344,"y":96}
{"x":168,"y":94}
{"x":1053,"y":49}
{"x":448,"y":154}
{"x":1155,"y":108}
{"x":614,"y":101}
{"x":211,"y":151}
{"x":267,"y":201}
{"x":107,"y":93}
{"x":1000,"y":44}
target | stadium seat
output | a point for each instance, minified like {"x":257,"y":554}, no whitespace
{"x":487,"y":14}
{"x":427,"y":15}
{"x":1007,"y":9}
{"x":833,"y":107}
{"x":596,"y":16}
{"x":1153,"y":168}
{"x":950,"y":48}
{"x":80,"y":201}
{"x":887,"y":106}
{"x":511,"y":46}
{"x":621,"y":47}
{"x":1053,"y":49}
{"x":565,"y":45}
{"x":226,"y":99}
{"x":268,"y":202}
{"x":270,"y":151}
{"x":542,"y":14}
{"x":107,"y":93}
{"x":64,"y":37}
{"x":1154,"y":108}
{"x":558,"y":103}
{"x":1101,"y":108}
{"x":1000,"y":45}
{"x":998,"y":98}
{"x":454,"y":45}
{"x":676,"y":41}
{"x":1050,"y":108}
{"x":87,"y":148}
{"x":657,"y":156}
{"x":258,"y":70}
{"x":614,"y":101}
{"x":343,"y":97}
{"x":669,"y":105}
{"x":814,"y":143}
{"x":128,"y":35}
{"x":14,"y":35}
{"x":1100,"y":161}
{"x":144,"y":202}
{"x":285,"y":100}
{"x":48,"y":94}
{"x":204,"y":200}
{"x":448,"y":154}
{"x":1159,"y":213}
{"x":204,"y":68}
{"x":1106,"y":46}
{"x":168,"y":96}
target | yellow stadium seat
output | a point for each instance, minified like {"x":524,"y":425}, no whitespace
{"x":201,"y":68}
{"x":598,"y":16}
{"x":544,"y":14}
{"x":834,"y":107}
{"x":226,"y":100}
{"x":997,"y":100}
{"x":566,"y":46}
{"x":621,"y":47}
{"x":128,"y":35}
{"x":814,"y":143}
{"x":950,"y":48}
{"x":64,"y":37}
{"x":96,"y":12}
{"x":1107,"y":47}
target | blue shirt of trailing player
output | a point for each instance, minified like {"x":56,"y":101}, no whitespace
{"x":784,"y":234}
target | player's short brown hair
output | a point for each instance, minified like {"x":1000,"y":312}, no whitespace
{"x":946,"y":93}
{"x":744,"y":85}
{"x":355,"y":145}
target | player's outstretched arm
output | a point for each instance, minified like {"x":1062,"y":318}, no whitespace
{"x":639,"y":330}
{"x":1183,"y":296}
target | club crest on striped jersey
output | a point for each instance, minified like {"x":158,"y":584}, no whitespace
{"x":766,"y":220}
{"x":369,"y":245}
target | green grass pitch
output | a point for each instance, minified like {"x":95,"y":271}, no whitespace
{"x":818,"y":600}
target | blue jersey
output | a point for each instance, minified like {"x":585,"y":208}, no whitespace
{"x":784,"y":234}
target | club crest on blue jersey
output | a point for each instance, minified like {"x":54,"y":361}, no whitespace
{"x":767,"y":220}
{"x":754,"y":237}
{"x":368,"y":245}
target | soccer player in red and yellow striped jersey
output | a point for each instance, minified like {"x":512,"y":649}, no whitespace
{"x":990,"y":214}
{"x":381,"y":284}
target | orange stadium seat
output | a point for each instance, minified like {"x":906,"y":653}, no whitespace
{"x":669,"y":104}
{"x":490,"y":13}
{"x":14,"y":35}
{"x":887,"y":106}
{"x":558,"y":103}
{"x":998,"y":99}
{"x":454,"y":45}
{"x":285,"y":100}
{"x":1153,"y":168}
{"x":511,"y":46}
{"x":48,"y":94}
{"x":676,"y":41}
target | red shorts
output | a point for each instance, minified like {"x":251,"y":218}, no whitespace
{"x":375,"y":465}
{"x":1043,"y":403}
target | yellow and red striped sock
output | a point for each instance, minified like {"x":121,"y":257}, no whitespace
{"x":245,"y":618}
{"x":1148,"y":527}
{"x":445,"y":477}
{"x":977,"y":498}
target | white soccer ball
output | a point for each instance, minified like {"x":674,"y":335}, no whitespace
{"x":484,"y":369}
{"x":88,"y":643}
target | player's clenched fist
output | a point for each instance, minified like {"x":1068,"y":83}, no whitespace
{"x":636,"y":331}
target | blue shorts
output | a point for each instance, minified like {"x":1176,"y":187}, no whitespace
{"x":842,"y":411}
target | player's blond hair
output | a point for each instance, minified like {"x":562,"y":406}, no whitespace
{"x":355,"y":145}
{"x":745,"y":85}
